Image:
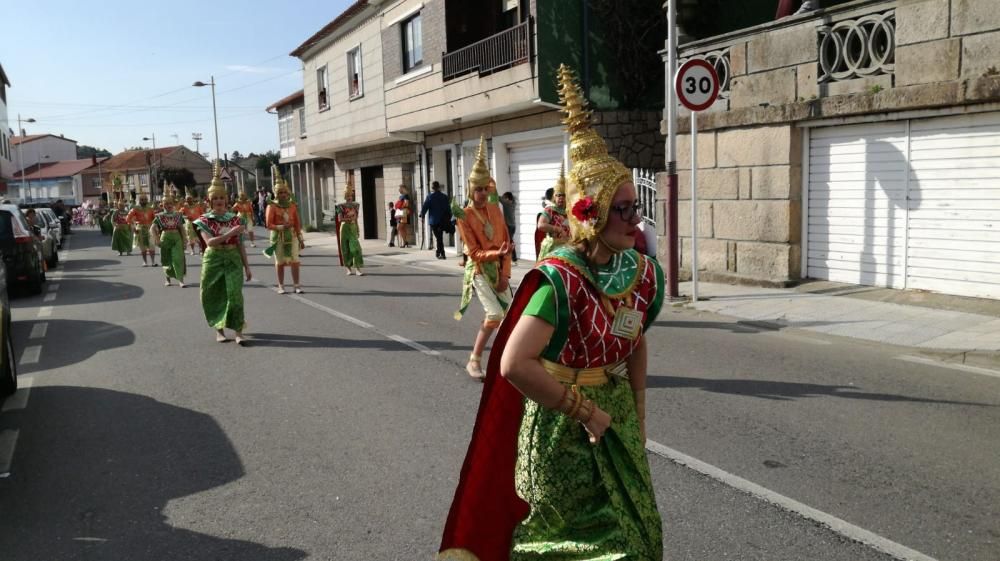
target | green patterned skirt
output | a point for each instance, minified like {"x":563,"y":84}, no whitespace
{"x":142,"y":239}
{"x":222,"y":288}
{"x":588,"y":503}
{"x":121,"y":240}
{"x":350,"y":247}
{"x":172,"y":255}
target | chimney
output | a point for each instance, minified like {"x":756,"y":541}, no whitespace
{"x":93,"y":159}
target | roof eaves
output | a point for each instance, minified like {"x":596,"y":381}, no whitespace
{"x":330,"y":28}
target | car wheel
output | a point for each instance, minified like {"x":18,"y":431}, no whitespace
{"x":8,"y":370}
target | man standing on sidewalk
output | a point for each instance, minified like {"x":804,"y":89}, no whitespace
{"x":439,"y":208}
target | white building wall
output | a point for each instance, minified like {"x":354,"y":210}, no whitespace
{"x":57,"y":149}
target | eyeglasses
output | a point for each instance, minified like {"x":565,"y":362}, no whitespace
{"x":628,"y":212}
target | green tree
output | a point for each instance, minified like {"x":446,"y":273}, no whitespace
{"x":267,"y":159}
{"x":236,"y":156}
{"x":84,"y":152}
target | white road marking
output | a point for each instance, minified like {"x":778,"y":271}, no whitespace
{"x":19,"y":400}
{"x":39,"y":330}
{"x":30,"y":355}
{"x":8,"y":441}
{"x":365,"y":325}
{"x":50,"y":297}
{"x":835,"y":524}
{"x":962,"y":367}
{"x":45,"y":311}
{"x":54,"y":287}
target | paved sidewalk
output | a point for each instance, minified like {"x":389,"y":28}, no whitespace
{"x":964,"y":330}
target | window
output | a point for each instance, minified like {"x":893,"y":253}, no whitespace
{"x":323,"y":86}
{"x":302,"y":122}
{"x":413,"y":45}
{"x":354,"y":86}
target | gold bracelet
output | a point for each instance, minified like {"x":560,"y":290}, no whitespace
{"x":577,"y":403}
{"x":562,"y":400}
{"x":586,"y":412}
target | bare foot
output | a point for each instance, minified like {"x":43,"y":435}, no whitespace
{"x":474,"y":370}
{"x":220,"y":336}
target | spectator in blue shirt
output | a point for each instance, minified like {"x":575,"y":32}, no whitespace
{"x":437,"y":206}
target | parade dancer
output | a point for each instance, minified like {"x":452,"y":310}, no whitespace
{"x":282,"y":219}
{"x":244,"y":207}
{"x":403,"y":216}
{"x":121,"y":237}
{"x":224,"y":265}
{"x":168,"y":234}
{"x":488,"y":246}
{"x":552,"y":220}
{"x":141,"y":218}
{"x":192,"y":210}
{"x":557,"y":467}
{"x":347,"y":231}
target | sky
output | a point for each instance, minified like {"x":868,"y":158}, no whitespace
{"x":109,"y":73}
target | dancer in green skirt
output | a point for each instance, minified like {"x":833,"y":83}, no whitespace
{"x":347,"y":231}
{"x":121,"y":238}
{"x":224,"y":265}
{"x":557,"y":468}
{"x":168,"y":234}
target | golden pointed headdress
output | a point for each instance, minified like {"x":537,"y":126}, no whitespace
{"x":595,"y":175}
{"x":217,"y":188}
{"x":560,"y":186}
{"x":279,"y":182}
{"x":349,"y":189}
{"x":188,"y":197}
{"x":169,"y":193}
{"x":480,"y":174}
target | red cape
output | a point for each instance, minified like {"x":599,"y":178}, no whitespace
{"x":486,"y":508}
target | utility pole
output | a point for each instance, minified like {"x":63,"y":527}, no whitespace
{"x":196,"y":136}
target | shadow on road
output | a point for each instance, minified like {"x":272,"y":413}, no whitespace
{"x":283,"y":340}
{"x":86,"y":290}
{"x":95,"y":470}
{"x":88,"y":264}
{"x":783,"y":391}
{"x":69,"y":342}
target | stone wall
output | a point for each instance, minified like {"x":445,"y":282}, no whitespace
{"x":633,"y":137}
{"x":947,"y":57}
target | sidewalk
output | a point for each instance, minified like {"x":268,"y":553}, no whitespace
{"x":956,"y":329}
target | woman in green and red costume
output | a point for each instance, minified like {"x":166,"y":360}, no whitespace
{"x":552,"y":221}
{"x":557,"y":467}
{"x":224,"y":265}
{"x":121,"y":237}
{"x":347,"y":231}
{"x":167,"y":232}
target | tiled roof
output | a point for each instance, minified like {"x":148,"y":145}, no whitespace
{"x":286,"y":100}
{"x":134,"y":159}
{"x":329,"y":28}
{"x":15,"y":140}
{"x":65,"y":168}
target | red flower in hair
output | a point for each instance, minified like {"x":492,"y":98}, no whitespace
{"x":585,"y":209}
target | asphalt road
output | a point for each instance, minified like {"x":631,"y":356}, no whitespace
{"x":339,"y":432}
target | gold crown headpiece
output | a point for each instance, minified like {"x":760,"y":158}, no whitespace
{"x":217,"y":188}
{"x":279,"y":182}
{"x":168,"y":193}
{"x":560,"y":186}
{"x":480,"y":174}
{"x":349,"y":189}
{"x":188,"y":197}
{"x":595,"y":174}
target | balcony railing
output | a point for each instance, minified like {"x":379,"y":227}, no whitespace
{"x":503,"y":50}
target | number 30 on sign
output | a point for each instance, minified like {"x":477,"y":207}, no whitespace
{"x":697,"y":85}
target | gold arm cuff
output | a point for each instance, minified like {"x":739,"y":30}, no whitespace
{"x":584,"y":376}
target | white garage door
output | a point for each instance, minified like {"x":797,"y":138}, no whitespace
{"x":954,"y":242}
{"x":857,"y":204}
{"x":908,"y":204}
{"x":533,"y":169}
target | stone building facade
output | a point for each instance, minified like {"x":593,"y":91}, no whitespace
{"x":828,"y":154}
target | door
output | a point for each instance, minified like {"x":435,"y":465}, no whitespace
{"x":857,"y":204}
{"x":907,"y":204}
{"x":533,"y":169}
{"x":371,"y":197}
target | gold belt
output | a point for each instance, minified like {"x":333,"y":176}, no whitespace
{"x":585,"y":376}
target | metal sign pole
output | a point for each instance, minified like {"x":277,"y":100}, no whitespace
{"x":694,"y":206}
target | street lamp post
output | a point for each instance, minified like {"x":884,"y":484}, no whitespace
{"x":152,"y":138}
{"x":20,"y":153}
{"x":196,"y":137}
{"x":215,"y":119}
{"x":149,"y":169}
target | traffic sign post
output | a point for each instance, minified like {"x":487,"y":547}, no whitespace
{"x":697,"y":87}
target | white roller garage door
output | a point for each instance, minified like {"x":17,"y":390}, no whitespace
{"x":533,"y":169}
{"x":907,"y":204}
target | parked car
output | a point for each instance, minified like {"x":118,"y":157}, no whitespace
{"x":48,"y":230}
{"x":8,"y":359}
{"x":20,"y":250}
{"x":53,"y":221}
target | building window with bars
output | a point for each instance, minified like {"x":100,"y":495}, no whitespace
{"x":323,"y":88}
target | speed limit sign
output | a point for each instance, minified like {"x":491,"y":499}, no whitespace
{"x":697,"y":85}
